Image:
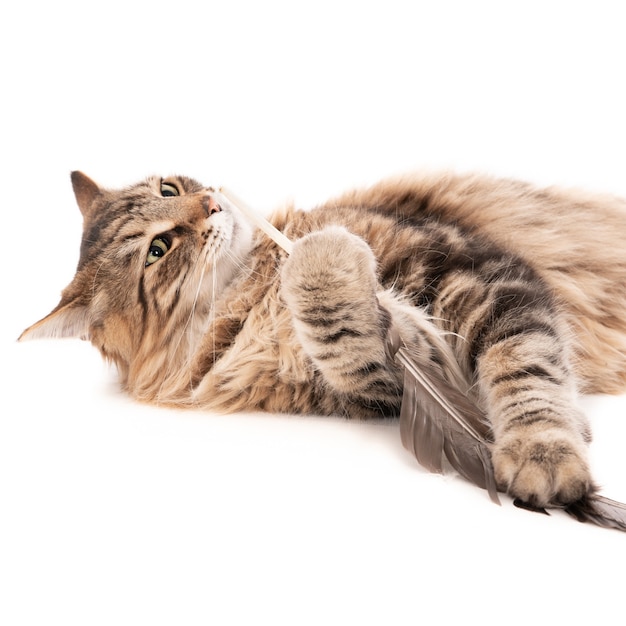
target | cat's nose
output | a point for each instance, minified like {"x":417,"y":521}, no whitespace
{"x":210,"y":205}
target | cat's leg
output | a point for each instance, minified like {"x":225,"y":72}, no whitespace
{"x":513,"y":335}
{"x":540,"y":446}
{"x":342,"y":321}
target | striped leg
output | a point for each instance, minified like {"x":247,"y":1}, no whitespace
{"x":329,"y":284}
{"x":514,"y":342}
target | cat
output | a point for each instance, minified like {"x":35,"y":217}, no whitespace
{"x":517,"y":293}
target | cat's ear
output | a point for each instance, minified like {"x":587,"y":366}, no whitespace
{"x":67,"y":320}
{"x":86,"y":192}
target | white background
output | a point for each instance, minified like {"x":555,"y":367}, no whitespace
{"x":116,"y":513}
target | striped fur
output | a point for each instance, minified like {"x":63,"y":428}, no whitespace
{"x":517,"y":293}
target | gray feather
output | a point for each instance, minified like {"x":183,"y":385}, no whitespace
{"x":599,"y":510}
{"x":438,"y":423}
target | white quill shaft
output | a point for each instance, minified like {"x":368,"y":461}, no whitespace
{"x":269,"y":229}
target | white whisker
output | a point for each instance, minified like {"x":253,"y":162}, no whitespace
{"x":188,"y":323}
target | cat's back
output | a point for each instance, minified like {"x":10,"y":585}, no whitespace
{"x":512,"y":213}
{"x":572,"y":238}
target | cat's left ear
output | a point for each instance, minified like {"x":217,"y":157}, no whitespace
{"x":86,"y":192}
{"x":67,"y":320}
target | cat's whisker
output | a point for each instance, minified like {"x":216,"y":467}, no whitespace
{"x":173,"y":368}
{"x":94,"y":282}
{"x":213,"y":302}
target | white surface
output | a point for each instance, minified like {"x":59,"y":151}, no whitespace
{"x":116,"y":513}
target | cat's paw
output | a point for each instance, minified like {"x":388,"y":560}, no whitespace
{"x":331,"y":260}
{"x":544,"y":468}
{"x":328,"y":284}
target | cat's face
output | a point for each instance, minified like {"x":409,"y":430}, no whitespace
{"x":152,"y":258}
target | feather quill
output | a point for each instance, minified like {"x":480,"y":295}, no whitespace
{"x":258,"y":220}
{"x":439,"y":423}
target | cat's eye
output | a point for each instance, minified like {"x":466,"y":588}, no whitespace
{"x":168,"y":190}
{"x":158,"y":249}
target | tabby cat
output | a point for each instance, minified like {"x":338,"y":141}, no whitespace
{"x":519,"y":291}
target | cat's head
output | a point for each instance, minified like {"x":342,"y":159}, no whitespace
{"x":152,"y":257}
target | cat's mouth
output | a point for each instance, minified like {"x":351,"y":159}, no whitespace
{"x":228,"y":233}
{"x":219,"y":233}
{"x":231,"y":218}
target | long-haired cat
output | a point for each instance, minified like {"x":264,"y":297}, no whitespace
{"x":522,"y":290}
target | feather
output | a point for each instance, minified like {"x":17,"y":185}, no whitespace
{"x":258,"y":220}
{"x":600,"y":511}
{"x":439,"y":423}
{"x":592,"y":508}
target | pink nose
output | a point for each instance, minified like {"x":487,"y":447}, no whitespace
{"x":210,"y":205}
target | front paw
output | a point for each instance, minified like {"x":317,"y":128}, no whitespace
{"x":329,"y":261}
{"x":543,"y":468}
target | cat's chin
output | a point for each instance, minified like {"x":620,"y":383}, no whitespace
{"x":241,"y":242}
{"x":227,"y":258}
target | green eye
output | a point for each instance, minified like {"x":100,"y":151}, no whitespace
{"x":158,"y":248}
{"x":168,"y":190}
